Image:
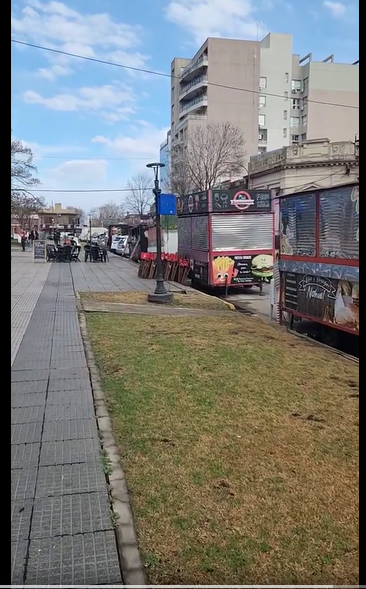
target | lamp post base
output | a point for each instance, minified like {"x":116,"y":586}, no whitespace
{"x":161,"y":298}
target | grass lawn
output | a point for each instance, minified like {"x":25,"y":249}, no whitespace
{"x":240,"y":447}
{"x":193,"y":299}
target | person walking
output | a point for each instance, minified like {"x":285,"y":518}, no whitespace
{"x":36,"y":235}
{"x":56,"y":238}
{"x":23,"y":239}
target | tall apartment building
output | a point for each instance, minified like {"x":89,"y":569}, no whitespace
{"x":165,"y":159}
{"x":274,"y":97}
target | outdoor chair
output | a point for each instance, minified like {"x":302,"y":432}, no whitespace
{"x":75,"y":254}
{"x":64,"y":253}
{"x":51,"y":253}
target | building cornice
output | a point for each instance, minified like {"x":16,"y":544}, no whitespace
{"x":304,"y":165}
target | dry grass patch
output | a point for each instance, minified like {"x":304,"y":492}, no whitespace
{"x":240,"y":446}
{"x":194,"y":300}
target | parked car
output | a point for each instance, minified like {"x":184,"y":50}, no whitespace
{"x":121,"y":245}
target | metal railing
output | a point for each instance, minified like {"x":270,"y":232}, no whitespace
{"x":195,"y":82}
{"x":203,"y":60}
{"x":199,"y":100}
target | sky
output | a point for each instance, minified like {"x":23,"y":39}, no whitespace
{"x":92,"y":126}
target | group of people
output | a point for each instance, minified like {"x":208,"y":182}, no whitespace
{"x":68,"y":240}
{"x":28,"y":236}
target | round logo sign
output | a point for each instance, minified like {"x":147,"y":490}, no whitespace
{"x":242,"y":200}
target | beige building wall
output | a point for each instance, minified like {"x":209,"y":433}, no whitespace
{"x":333,"y":84}
{"x":275,"y":78}
{"x":235,"y":64}
{"x":232,"y":66}
{"x":176,"y":67}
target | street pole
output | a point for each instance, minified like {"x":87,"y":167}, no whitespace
{"x":160,"y":294}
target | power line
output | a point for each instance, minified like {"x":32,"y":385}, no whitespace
{"x":98,"y":190}
{"x":64,"y":157}
{"x":84,"y":190}
{"x":165,"y":75}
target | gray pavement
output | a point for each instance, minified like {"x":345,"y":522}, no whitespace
{"x":251,"y":301}
{"x":119,"y":274}
{"x":61,"y":526}
{"x":27,"y":281}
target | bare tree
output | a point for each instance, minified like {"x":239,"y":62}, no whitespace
{"x":103,"y":215}
{"x":177,"y":180}
{"x":210,"y":155}
{"x":139,"y":198}
{"x":24,"y":207}
{"x":22,"y":173}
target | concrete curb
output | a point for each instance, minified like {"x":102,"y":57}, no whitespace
{"x":133,"y":571}
{"x":229,"y":305}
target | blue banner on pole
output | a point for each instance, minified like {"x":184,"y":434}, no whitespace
{"x":167,"y":204}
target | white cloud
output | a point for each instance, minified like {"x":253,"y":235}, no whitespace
{"x":77,"y":173}
{"x":44,"y":151}
{"x":113,"y":102}
{"x":54,"y":72}
{"x":144,"y":141}
{"x":55,"y":25}
{"x":215,"y":18}
{"x":337,"y":9}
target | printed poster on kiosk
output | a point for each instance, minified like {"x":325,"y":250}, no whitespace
{"x":242,"y":269}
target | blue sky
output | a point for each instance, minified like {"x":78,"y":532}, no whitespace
{"x":93,"y":126}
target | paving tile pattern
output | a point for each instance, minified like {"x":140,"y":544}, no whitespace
{"x":119,"y":274}
{"x":61,"y":531}
{"x":27,"y":281}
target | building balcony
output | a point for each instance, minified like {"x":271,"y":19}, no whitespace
{"x":190,"y":90}
{"x":194,"y":69}
{"x":188,"y":118}
{"x":192,"y":105}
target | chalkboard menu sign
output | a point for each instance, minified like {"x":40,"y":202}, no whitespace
{"x":39,"y":250}
{"x":200,"y":271}
{"x":244,"y":201}
{"x":192,"y":204}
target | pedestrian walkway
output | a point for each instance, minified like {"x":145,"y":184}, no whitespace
{"x":27,"y":281}
{"x":119,"y":274}
{"x":61,"y":526}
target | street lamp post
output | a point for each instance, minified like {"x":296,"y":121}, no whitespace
{"x":160,"y":294}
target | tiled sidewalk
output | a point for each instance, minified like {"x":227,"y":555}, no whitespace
{"x":61,"y":530}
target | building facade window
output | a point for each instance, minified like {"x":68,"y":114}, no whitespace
{"x":286,"y":77}
{"x":296,"y":85}
{"x":304,"y":120}
{"x":262,"y":101}
{"x":262,"y":82}
{"x":296,"y":103}
{"x":284,"y":133}
{"x":262,"y":120}
{"x":295,"y":122}
{"x":285,"y":115}
{"x":286,"y":95}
